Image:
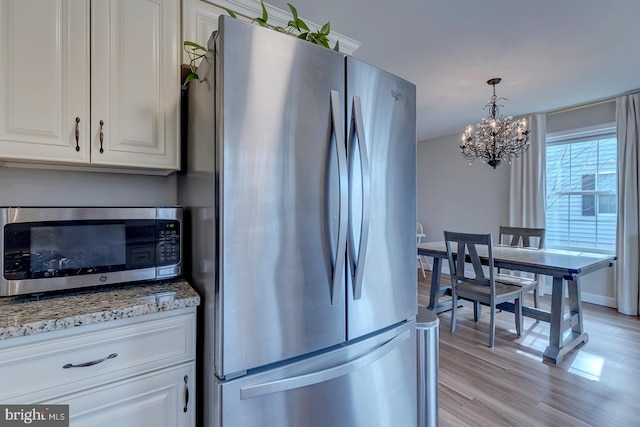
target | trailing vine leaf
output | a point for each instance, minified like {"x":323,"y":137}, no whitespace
{"x":230,"y":12}
{"x":294,"y":14}
{"x":195,"y":52}
{"x":193,"y":46}
{"x":265,"y":16}
{"x":326,"y":29}
{"x":192,"y":76}
{"x":262,"y":21}
{"x":337,"y":46}
{"x":302,"y":25}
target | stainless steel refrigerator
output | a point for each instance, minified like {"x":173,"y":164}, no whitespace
{"x":299,"y":190}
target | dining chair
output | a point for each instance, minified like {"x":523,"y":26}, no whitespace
{"x":476,"y":287}
{"x":527,"y":238}
{"x":421,"y":259}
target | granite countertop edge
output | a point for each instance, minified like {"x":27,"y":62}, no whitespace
{"x":25,"y":315}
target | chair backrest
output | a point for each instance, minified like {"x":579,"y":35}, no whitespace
{"x":469,"y":247}
{"x":419,"y":230}
{"x":522,"y":236}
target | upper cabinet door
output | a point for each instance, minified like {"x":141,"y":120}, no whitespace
{"x":199,"y":21}
{"x":135,"y":83}
{"x":44,"y":80}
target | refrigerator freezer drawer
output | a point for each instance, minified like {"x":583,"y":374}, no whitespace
{"x":369,"y":383}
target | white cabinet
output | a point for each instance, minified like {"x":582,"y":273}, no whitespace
{"x":199,"y":20}
{"x":113,"y":373}
{"x":135,"y":82}
{"x":90,"y":83}
{"x":44,"y":80}
{"x":162,"y":399}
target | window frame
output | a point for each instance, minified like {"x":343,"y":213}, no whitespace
{"x":570,"y":136}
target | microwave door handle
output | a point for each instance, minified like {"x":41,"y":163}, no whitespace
{"x":343,"y":213}
{"x":365,"y":178}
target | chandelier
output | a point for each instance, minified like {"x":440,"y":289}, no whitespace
{"x":495,"y":138}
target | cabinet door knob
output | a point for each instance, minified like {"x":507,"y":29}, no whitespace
{"x":186,"y":392}
{"x":77,"y":133}
{"x":101,"y":135}
{"x":93,"y":362}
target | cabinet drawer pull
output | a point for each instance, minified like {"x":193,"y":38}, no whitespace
{"x":77,"y":133}
{"x":95,"y":362}
{"x":186,"y":392}
{"x":101,"y":135}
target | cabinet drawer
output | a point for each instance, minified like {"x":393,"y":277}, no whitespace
{"x":35,"y":365}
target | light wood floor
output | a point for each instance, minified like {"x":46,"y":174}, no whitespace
{"x":597,"y":384}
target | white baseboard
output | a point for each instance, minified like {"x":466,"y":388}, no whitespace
{"x":599,"y":299}
{"x":545,"y":289}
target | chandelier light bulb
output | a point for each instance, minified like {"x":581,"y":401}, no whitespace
{"x":495,"y":139}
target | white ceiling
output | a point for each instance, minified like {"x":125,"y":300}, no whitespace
{"x":550,"y":54}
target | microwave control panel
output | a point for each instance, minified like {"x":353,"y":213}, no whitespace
{"x":168,"y":242}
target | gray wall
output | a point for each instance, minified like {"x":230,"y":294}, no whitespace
{"x":40,"y":187}
{"x":597,"y":114}
{"x":453,"y":195}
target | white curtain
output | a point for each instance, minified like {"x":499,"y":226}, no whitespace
{"x":527,"y":192}
{"x":627,"y":246}
{"x":528,"y":187}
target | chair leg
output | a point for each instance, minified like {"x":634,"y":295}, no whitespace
{"x":424,"y":275}
{"x":518,"y":314}
{"x":454,"y":309}
{"x":492,"y":327}
{"x":477,"y":309}
{"x":426,"y":260}
{"x":535,"y":296}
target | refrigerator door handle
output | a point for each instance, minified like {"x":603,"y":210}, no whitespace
{"x":305,"y":380}
{"x":357,"y":265}
{"x":343,"y":215}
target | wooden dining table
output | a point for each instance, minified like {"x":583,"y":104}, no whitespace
{"x":566,"y":331}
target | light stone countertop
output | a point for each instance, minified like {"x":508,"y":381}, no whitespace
{"x":28,"y":315}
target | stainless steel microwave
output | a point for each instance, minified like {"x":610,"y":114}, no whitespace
{"x":56,"y":248}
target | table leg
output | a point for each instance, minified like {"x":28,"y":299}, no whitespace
{"x":438,"y":292}
{"x":559,"y":346}
{"x":557,"y":312}
{"x":434,"y":293}
{"x":575,"y":306}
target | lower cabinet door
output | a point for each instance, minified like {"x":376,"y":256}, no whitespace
{"x":164,"y":398}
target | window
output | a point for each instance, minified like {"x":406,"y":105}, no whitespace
{"x":581,"y":190}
